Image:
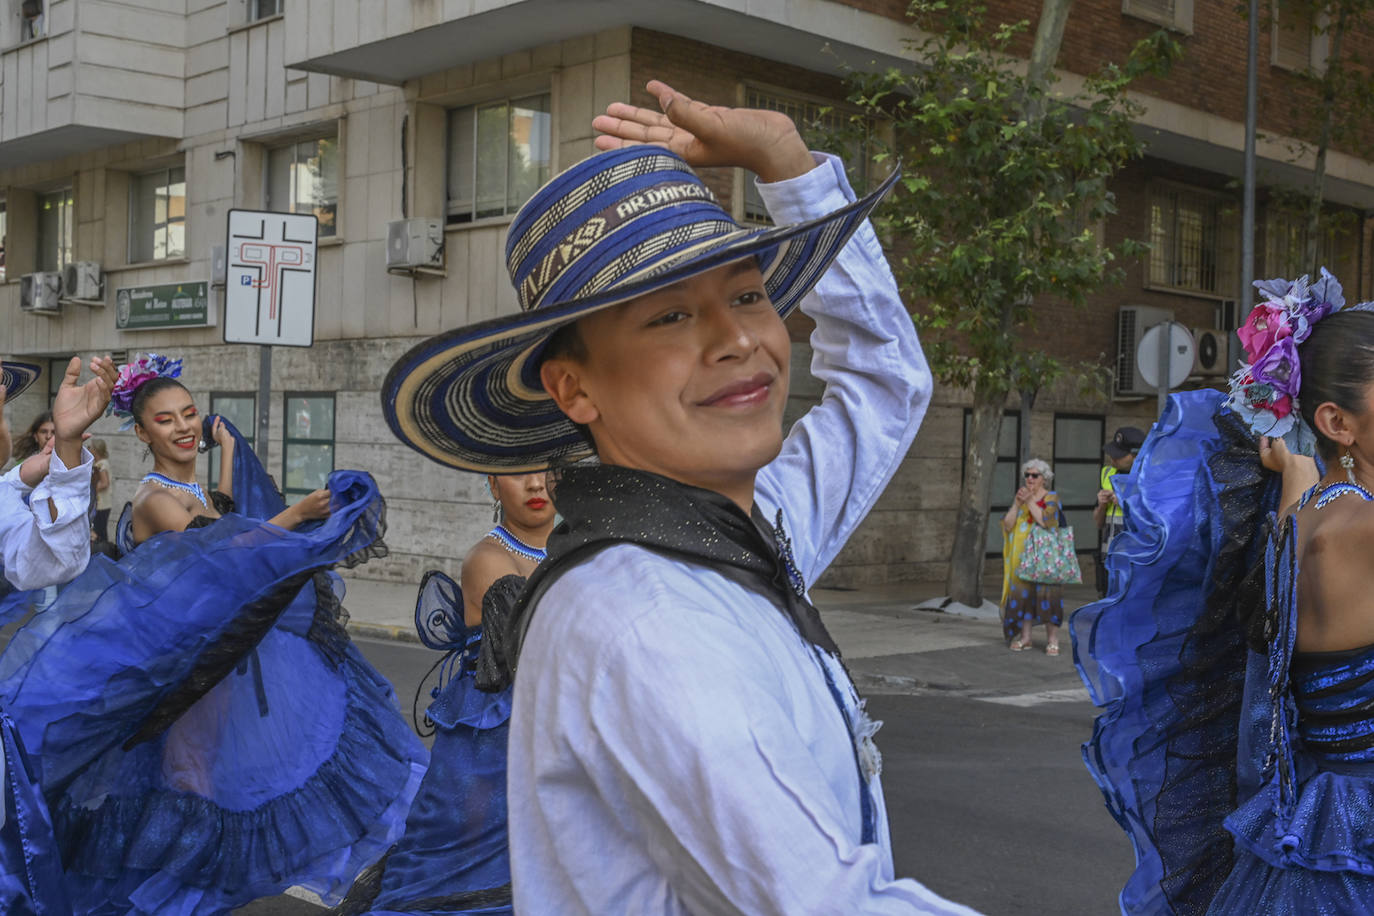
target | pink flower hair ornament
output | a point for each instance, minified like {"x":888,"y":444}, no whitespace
{"x":134,"y":375}
{"x":1264,"y":391}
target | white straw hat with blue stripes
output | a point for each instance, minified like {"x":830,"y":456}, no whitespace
{"x":616,"y":226}
{"x":15,"y":377}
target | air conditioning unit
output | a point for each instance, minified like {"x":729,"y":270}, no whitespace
{"x":1132,"y":321}
{"x":415,"y":244}
{"x":1210,"y":352}
{"x":82,"y":282}
{"x":39,"y":293}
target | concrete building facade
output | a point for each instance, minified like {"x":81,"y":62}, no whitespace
{"x":129,"y":129}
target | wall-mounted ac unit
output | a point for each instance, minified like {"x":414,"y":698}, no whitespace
{"x":1132,"y":321}
{"x":39,"y":293}
{"x":1210,"y":352}
{"x":82,"y":282}
{"x":415,"y":244}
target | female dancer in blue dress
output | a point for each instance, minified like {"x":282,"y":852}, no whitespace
{"x":205,"y":731}
{"x":1234,"y":653}
{"x":453,"y":857}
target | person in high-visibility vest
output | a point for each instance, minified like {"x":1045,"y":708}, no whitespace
{"x":1108,"y":514}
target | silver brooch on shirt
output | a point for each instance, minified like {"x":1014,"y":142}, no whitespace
{"x":789,"y":563}
{"x":870,"y":758}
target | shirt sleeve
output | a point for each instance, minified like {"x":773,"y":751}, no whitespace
{"x":760,"y":831}
{"x":838,"y":458}
{"x":37,"y":549}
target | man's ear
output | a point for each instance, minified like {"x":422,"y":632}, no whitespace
{"x":1333,"y":423}
{"x":562,"y":379}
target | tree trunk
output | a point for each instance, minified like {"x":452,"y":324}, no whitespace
{"x":1330,"y":80}
{"x":965,"y":583}
{"x":1049,"y":34}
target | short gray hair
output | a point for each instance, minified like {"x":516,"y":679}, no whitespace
{"x":1035,"y":464}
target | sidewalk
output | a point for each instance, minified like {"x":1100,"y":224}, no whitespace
{"x":889,"y":644}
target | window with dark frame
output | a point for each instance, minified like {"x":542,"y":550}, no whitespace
{"x":1004,"y":473}
{"x":57,"y":371}
{"x":1193,"y":240}
{"x":307,"y":442}
{"x":239,"y":408}
{"x":499,"y":154}
{"x":303,"y":177}
{"x":56,"y":229}
{"x":261,"y":9}
{"x":157,"y":215}
{"x":1077,"y":467}
{"x":33,"y":16}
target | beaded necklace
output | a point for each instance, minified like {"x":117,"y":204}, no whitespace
{"x":500,"y":535}
{"x":193,"y":488}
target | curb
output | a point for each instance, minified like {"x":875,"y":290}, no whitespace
{"x":382,"y":631}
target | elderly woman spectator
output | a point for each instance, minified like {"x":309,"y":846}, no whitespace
{"x":1025,"y":604}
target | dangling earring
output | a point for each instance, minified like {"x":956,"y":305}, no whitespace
{"x":1348,"y":463}
{"x":496,"y":510}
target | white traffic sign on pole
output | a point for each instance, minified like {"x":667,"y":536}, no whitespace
{"x":269,"y":293}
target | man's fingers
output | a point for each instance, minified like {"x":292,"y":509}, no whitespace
{"x":73,"y":372}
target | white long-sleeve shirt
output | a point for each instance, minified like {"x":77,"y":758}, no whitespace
{"x":674,"y":746}
{"x":36,"y":549}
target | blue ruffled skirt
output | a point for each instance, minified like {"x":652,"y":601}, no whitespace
{"x":455,"y":842}
{"x":204,"y":730}
{"x":31,"y":882}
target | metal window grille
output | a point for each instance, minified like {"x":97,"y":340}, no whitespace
{"x":1192,"y":240}
{"x":307,"y":442}
{"x":239,"y":408}
{"x":1285,"y":246}
{"x":1077,"y":464}
{"x":1004,"y":482}
{"x":816,"y":120}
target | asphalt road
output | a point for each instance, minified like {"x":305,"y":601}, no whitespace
{"x":989,"y":802}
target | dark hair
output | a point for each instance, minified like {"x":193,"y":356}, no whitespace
{"x":565,"y":343}
{"x":27,"y":444}
{"x":147,"y":390}
{"x":1337,"y":366}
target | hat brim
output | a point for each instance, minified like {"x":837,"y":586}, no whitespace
{"x":16,"y":377}
{"x":471,"y":398}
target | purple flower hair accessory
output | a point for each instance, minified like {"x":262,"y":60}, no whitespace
{"x":1264,"y":392}
{"x":132,"y":376}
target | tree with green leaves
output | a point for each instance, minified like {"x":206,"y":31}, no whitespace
{"x":1343,"y":84}
{"x":1004,"y":180}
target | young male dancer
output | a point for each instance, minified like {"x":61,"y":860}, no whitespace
{"x":48,"y":541}
{"x":684,"y":737}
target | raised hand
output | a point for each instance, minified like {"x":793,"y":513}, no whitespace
{"x":765,"y":142}
{"x":75,"y":408}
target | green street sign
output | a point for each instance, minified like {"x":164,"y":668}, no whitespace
{"x":165,"y":305}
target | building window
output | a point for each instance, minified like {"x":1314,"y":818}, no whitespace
{"x":1285,"y":245}
{"x":307,"y":442}
{"x":303,"y":177}
{"x":55,"y":229}
{"x":1172,"y":14}
{"x":32,"y":19}
{"x":1077,"y":473}
{"x":1193,"y":237}
{"x":239,"y":408}
{"x":1004,"y":473}
{"x":1293,"y":36}
{"x":499,"y":153}
{"x":817,"y":120}
{"x":57,"y":371}
{"x":157,"y":215}
{"x":261,"y":9}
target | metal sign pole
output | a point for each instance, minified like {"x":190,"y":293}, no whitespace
{"x":1166,"y":338}
{"x":264,"y":401}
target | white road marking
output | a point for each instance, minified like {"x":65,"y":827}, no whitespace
{"x":1066,"y":695}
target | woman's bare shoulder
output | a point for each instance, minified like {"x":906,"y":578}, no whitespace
{"x":486,"y":562}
